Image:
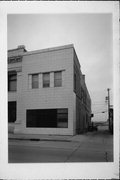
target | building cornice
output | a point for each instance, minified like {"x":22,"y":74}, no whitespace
{"x":45,"y":50}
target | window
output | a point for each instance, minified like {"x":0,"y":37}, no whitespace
{"x":34,"y":81}
{"x":75,"y":82}
{"x":84,"y":98}
{"x":12,"y":81}
{"x":57,"y":79}
{"x":46,"y":80}
{"x":81,"y":94}
{"x":49,"y":118}
{"x":12,"y":111}
{"x":62,"y":118}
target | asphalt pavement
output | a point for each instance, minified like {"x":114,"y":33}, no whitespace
{"x":90,"y":147}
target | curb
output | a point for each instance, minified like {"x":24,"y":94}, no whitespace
{"x":36,"y":139}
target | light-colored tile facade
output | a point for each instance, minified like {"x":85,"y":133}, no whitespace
{"x":39,"y":62}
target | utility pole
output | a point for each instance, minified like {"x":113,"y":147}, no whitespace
{"x":108,"y":106}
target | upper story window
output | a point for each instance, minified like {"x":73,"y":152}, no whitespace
{"x":12,"y":81}
{"x":81,"y":94}
{"x":75,"y":80}
{"x":58,"y":79}
{"x":34,"y":81}
{"x":46,"y":80}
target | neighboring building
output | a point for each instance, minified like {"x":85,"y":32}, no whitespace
{"x":47,"y":93}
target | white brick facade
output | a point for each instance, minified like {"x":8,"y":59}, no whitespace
{"x":39,"y":62}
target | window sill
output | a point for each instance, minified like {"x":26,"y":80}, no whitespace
{"x":12,"y":91}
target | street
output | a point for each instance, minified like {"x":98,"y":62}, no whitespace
{"x":90,"y":147}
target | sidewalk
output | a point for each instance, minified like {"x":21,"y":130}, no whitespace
{"x":45,"y":137}
{"x":63,"y":138}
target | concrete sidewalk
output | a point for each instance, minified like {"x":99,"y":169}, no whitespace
{"x":64,"y":138}
{"x":44,"y":137}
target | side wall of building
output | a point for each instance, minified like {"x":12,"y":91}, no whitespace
{"x":83,"y":102}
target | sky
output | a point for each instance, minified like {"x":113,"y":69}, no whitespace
{"x":91,"y":35}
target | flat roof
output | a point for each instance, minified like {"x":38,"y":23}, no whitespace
{"x":48,"y":49}
{"x":44,"y":50}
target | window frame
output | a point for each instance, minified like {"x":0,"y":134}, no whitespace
{"x":46,"y":83}
{"x":12,"y":77}
{"x":58,"y":81}
{"x":75,"y":82}
{"x":35,"y":83}
{"x":62,"y":118}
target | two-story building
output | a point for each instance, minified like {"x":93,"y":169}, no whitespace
{"x":47,"y":93}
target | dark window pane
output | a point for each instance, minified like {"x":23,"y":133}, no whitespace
{"x":49,"y":118}
{"x":12,"y":82}
{"x":12,"y":111}
{"x":42,"y":118}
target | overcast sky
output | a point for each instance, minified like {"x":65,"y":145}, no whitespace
{"x":91,"y":35}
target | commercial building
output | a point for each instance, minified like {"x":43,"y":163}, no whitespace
{"x":47,"y":93}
